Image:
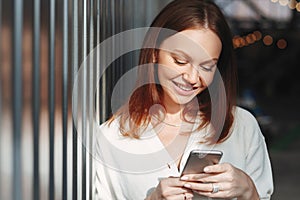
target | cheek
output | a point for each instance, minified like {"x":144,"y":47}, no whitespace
{"x":161,"y":74}
{"x":166,"y":72}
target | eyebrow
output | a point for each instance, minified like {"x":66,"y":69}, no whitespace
{"x":181,"y":52}
{"x":210,"y":60}
{"x":189,"y":58}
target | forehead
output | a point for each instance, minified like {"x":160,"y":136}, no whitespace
{"x":197,"y":43}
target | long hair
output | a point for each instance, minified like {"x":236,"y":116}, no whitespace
{"x":181,"y":15}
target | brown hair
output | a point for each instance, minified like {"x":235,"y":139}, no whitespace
{"x":180,"y":15}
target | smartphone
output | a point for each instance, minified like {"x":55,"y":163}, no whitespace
{"x":199,"y":159}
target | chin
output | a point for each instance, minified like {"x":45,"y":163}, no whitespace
{"x":183,"y":100}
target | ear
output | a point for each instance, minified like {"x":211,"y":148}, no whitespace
{"x":155,"y":56}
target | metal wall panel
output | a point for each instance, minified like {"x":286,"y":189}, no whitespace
{"x":65,"y":85}
{"x":43,"y":44}
{"x":36,"y":96}
{"x":17,"y":98}
{"x":51,"y":96}
{"x":74,"y":52}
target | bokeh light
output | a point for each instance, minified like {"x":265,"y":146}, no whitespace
{"x":298,"y":7}
{"x":258,"y":35}
{"x":282,"y":44}
{"x":268,"y":40}
{"x":292,"y":4}
{"x":283,"y":2}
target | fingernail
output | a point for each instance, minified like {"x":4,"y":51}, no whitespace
{"x":184,"y":178}
{"x":187,"y":185}
{"x":206,"y":169}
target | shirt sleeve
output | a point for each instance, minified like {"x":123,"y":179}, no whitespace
{"x":101,"y":184}
{"x":258,"y":165}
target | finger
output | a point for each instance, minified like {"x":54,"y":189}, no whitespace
{"x":215,"y":178}
{"x":218,"y":168}
{"x":189,"y":195}
{"x":182,"y":196}
{"x":220,"y":194}
{"x":203,"y":187}
{"x":194,"y":177}
{"x":177,"y":191}
{"x":173,"y":182}
{"x":171,"y":191}
{"x":206,"y":178}
{"x":173,"y":186}
{"x":191,"y":177}
{"x":225,"y":190}
{"x":206,"y":189}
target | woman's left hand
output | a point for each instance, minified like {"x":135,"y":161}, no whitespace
{"x":222,"y":181}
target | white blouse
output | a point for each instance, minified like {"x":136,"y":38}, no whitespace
{"x":130,"y":169}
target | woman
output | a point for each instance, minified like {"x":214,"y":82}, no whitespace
{"x":184,"y":100}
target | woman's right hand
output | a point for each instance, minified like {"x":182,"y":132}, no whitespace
{"x":171,"y":189}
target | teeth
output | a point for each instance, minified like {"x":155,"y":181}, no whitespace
{"x":183,"y":87}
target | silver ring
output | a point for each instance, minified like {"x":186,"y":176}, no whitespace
{"x":215,"y":188}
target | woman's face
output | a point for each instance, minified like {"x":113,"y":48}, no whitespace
{"x":187,"y":64}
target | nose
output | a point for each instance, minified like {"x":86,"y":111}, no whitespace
{"x":191,"y":75}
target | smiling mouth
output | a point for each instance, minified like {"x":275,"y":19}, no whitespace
{"x":187,"y":88}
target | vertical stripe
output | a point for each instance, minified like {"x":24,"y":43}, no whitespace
{"x":36,"y":97}
{"x":84,"y":110}
{"x":91,"y":90}
{"x":102,"y":62}
{"x":96,"y":83}
{"x":1,"y":112}
{"x":108,"y":54}
{"x":122,"y":60}
{"x":17,"y":98}
{"x":116,"y":29}
{"x":74,"y":100}
{"x":65,"y":97}
{"x":113,"y":72}
{"x":97,"y":63}
{"x":51,"y":97}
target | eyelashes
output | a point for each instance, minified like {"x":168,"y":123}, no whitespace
{"x":207,"y":67}
{"x":180,"y":61}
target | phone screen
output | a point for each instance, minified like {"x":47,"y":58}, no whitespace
{"x":199,"y":159}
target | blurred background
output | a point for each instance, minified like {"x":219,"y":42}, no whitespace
{"x":43,"y":44}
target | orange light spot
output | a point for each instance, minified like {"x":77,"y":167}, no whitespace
{"x":281,"y":44}
{"x":268,"y":40}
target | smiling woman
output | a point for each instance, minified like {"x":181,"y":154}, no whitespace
{"x":187,"y":69}
{"x":184,"y":99}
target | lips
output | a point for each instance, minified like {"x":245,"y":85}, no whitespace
{"x":183,"y":89}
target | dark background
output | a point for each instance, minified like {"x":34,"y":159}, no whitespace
{"x":270,"y":89}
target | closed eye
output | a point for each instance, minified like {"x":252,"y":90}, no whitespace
{"x":208,"y":67}
{"x":180,"y":61}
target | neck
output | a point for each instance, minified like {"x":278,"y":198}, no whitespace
{"x":173,"y":119}
{"x":172,"y":108}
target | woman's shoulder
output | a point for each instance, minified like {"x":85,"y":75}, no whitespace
{"x":244,"y":117}
{"x":110,"y":127}
{"x":108,"y":124}
{"x":246,"y":125}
